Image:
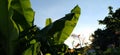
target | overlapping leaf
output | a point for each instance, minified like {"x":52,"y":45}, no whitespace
{"x":23,"y":13}
{"x":15,"y":16}
{"x":8,"y":29}
{"x":62,"y":28}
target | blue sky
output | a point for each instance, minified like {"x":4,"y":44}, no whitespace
{"x":91,"y":12}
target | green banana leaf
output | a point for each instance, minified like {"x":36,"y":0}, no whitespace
{"x":15,"y":16}
{"x":32,"y":50}
{"x":59,"y":30}
{"x":48,"y":21}
{"x":24,"y":17}
{"x":8,"y":30}
{"x":23,"y":13}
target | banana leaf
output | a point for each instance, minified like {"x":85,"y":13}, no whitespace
{"x":59,"y":30}
{"x":15,"y":16}
{"x":24,"y":17}
{"x":23,"y":13}
{"x":8,"y":29}
{"x":48,"y":21}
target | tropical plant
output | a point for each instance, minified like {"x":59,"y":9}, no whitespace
{"x":19,"y":35}
{"x":55,"y":33}
{"x":108,"y":37}
{"x":16,"y":16}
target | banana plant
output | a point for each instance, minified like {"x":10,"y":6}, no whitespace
{"x":19,"y":36}
{"x":55,"y":33}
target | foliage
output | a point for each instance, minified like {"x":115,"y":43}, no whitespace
{"x":48,"y":21}
{"x":55,"y":33}
{"x":16,"y":16}
{"x":108,"y":39}
{"x":19,"y":36}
